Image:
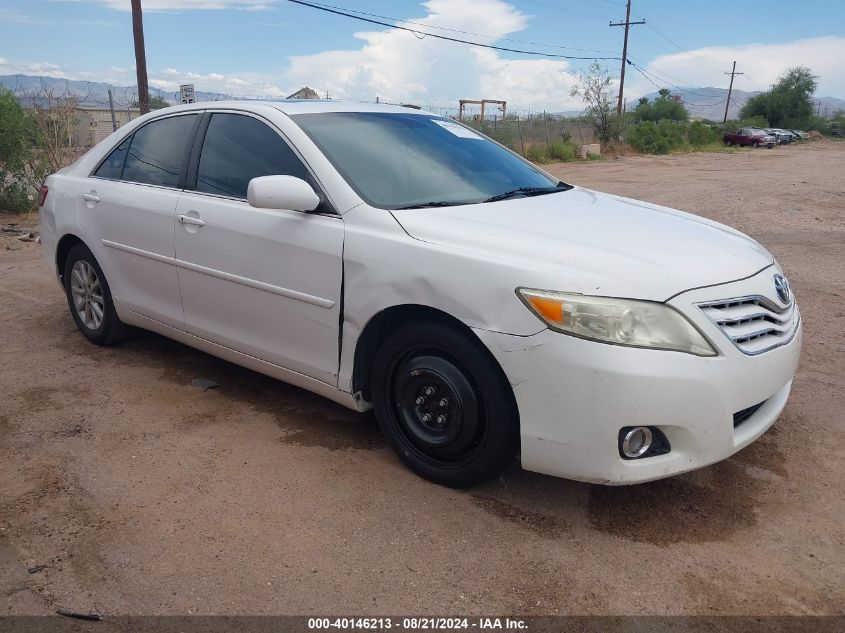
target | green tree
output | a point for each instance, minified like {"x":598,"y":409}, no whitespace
{"x":664,"y":107}
{"x":17,"y":133}
{"x":789,"y":103}
{"x":156,"y":103}
{"x":18,"y":136}
{"x":595,"y":88}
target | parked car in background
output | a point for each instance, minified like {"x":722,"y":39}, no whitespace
{"x":751,"y":137}
{"x":395,"y":259}
{"x":783,"y":137}
{"x":800,"y":134}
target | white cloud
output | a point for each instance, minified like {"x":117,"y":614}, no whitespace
{"x":244,"y":84}
{"x":396,"y":65}
{"x":186,"y":5}
{"x":761,"y":63}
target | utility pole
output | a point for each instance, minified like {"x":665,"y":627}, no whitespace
{"x":730,"y":89}
{"x":140,"y":57}
{"x":627,"y":24}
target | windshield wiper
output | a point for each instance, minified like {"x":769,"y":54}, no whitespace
{"x":426,"y":205}
{"x":529,"y":191}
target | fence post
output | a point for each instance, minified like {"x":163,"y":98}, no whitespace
{"x":546,"y":128}
{"x":111,"y":108}
{"x":519,"y":129}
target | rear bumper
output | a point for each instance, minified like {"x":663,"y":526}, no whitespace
{"x":574,"y":396}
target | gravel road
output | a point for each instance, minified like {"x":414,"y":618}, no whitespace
{"x":144,"y":494}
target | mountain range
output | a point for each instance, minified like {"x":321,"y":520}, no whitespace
{"x":705,"y":103}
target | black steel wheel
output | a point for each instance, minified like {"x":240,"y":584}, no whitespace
{"x":444,"y":405}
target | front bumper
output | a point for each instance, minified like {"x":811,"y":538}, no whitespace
{"x":575,"y":395}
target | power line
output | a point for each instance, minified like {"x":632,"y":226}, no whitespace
{"x":443,"y":37}
{"x":627,"y":24}
{"x":451,"y":30}
{"x":679,"y":88}
{"x":655,"y":72}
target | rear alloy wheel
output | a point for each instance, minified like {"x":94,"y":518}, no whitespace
{"x":89,"y":298}
{"x":444,"y":405}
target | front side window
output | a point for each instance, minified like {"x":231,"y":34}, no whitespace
{"x":112,"y":166}
{"x":157,"y":151}
{"x":397,"y":160}
{"x":239,"y":148}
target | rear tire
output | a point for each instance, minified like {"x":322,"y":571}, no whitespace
{"x":444,"y":405}
{"x":89,"y":298}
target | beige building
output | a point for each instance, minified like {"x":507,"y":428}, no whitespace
{"x":94,"y":123}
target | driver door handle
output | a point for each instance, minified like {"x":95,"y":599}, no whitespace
{"x":90,"y":197}
{"x":187,"y":219}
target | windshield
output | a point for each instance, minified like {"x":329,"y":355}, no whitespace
{"x":397,"y":160}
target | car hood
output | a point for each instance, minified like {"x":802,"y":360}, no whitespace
{"x":595,"y":243}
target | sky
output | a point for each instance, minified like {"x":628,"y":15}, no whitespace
{"x":274,"y":47}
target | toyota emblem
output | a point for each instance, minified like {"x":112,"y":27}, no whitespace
{"x":782,"y":288}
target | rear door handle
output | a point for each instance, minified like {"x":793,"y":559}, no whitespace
{"x":187,"y":219}
{"x":90,"y":197}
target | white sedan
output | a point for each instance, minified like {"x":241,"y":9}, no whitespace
{"x":393,"y":259}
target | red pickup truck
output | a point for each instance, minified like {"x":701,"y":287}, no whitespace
{"x":750,"y":136}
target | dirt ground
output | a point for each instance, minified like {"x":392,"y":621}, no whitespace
{"x":144,"y":494}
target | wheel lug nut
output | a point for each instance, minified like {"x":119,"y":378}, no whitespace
{"x":420,"y":400}
{"x":443,"y":402}
{"x":441,"y":420}
{"x":426,"y":417}
{"x":429,"y":391}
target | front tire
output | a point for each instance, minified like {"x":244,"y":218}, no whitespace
{"x":89,"y":298}
{"x":444,"y":405}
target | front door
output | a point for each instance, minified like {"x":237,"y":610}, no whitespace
{"x":263,"y":282}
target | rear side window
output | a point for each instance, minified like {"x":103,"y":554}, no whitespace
{"x":239,"y":148}
{"x":112,"y":167}
{"x":157,"y":152}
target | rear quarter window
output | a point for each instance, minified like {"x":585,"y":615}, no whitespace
{"x":112,"y":166}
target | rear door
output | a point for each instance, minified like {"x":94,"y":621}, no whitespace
{"x":132,"y":198}
{"x":264,"y":282}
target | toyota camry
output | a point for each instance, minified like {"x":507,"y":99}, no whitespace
{"x":396,"y":260}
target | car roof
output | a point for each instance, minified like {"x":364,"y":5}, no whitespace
{"x":299,"y":106}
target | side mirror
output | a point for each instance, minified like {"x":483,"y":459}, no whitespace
{"x":281,"y":192}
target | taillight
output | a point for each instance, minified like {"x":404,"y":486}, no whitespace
{"x":42,"y":196}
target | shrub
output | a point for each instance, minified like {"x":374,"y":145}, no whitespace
{"x":537,"y":154}
{"x":700,"y":134}
{"x":663,"y":107}
{"x":562,"y":151}
{"x":16,"y":197}
{"x":656,"y":138}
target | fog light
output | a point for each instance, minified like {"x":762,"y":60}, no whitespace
{"x":636,"y":442}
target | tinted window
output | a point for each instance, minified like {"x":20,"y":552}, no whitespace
{"x":157,"y":151}
{"x":239,"y":148}
{"x":395,"y":160}
{"x":112,"y":167}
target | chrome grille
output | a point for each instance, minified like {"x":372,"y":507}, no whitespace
{"x":754,"y":324}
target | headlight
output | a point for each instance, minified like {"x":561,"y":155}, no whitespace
{"x":617,"y":321}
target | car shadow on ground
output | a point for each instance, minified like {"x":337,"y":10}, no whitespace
{"x":702,"y":506}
